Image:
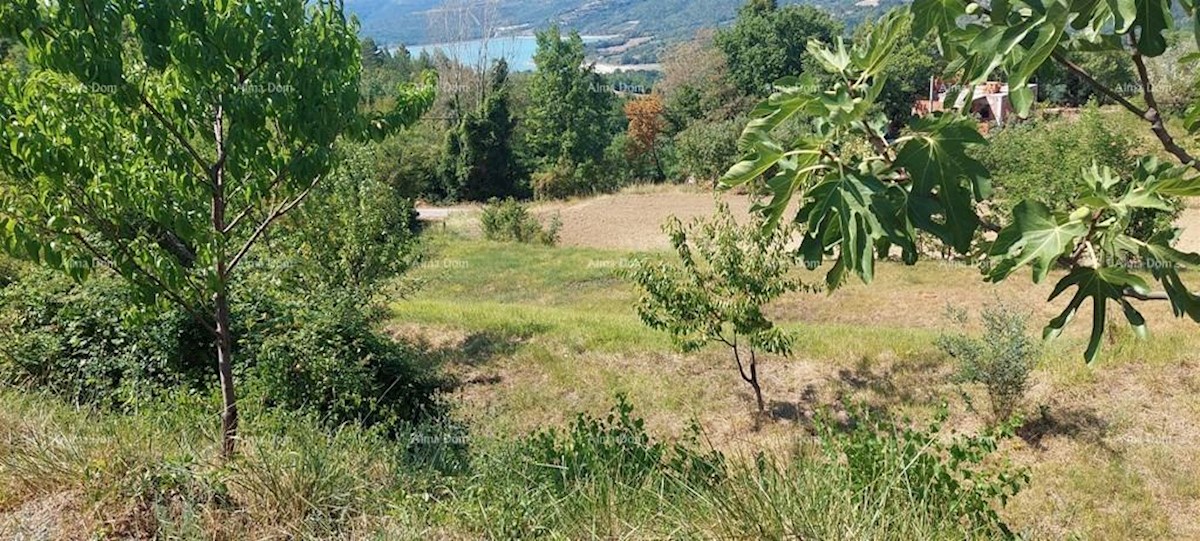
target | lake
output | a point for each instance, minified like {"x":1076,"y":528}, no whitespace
{"x":517,"y":50}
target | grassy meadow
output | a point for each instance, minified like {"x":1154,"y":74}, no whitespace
{"x":534,"y":335}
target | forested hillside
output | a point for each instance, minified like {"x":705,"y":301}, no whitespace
{"x":423,"y":21}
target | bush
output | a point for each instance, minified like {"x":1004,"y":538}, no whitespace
{"x":1044,"y":160}
{"x":320,"y":353}
{"x":615,"y":448}
{"x":875,"y":481}
{"x":565,"y":180}
{"x":354,"y":231}
{"x":84,"y":343}
{"x":316,"y":353}
{"x":510,"y":221}
{"x":1001,"y":359}
{"x":705,"y":150}
{"x":599,"y":478}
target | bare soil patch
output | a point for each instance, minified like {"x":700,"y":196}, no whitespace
{"x":633,"y":220}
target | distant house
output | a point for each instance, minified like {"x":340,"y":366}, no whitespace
{"x":989,"y":102}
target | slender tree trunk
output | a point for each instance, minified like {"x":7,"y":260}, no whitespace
{"x":754,"y":383}
{"x":229,"y":413}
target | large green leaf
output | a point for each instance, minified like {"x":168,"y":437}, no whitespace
{"x":1154,"y":19}
{"x":929,"y":15}
{"x":1037,"y":238}
{"x":937,"y":163}
{"x":840,"y":220}
{"x":1101,"y":285}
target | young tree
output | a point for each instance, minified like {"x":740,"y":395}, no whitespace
{"x":646,"y":124}
{"x":163,"y":139}
{"x":568,"y":116}
{"x":716,"y":292}
{"x":855,"y":207}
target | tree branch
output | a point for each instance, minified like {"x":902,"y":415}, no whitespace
{"x":1153,"y":116}
{"x":162,"y":287}
{"x":271,"y":217}
{"x":146,"y":102}
{"x":1092,"y":82}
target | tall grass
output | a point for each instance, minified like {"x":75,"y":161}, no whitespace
{"x":148,"y":476}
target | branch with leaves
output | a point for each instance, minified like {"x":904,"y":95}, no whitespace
{"x":855,"y":209}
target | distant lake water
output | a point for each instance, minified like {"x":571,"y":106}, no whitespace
{"x":517,"y":50}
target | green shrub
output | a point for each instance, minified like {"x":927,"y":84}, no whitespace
{"x":1001,"y":358}
{"x":876,"y":480}
{"x":355,"y":230}
{"x":1044,"y":160}
{"x":85,"y":343}
{"x":616,"y":448}
{"x":510,"y":221}
{"x":705,"y":150}
{"x":565,"y":180}
{"x":599,"y":478}
{"x":320,"y":353}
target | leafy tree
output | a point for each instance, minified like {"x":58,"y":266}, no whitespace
{"x":382,"y":72}
{"x":855,"y":207}
{"x":480,"y":163}
{"x":707,"y":148}
{"x":767,"y":43}
{"x":696,"y":84}
{"x":568,"y":116}
{"x":646,"y":125}
{"x":726,"y":274}
{"x":1061,"y":86}
{"x":162,"y":140}
{"x":356,"y":229}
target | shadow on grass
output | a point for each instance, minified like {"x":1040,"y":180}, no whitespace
{"x":896,"y":383}
{"x":466,"y":358}
{"x":1075,"y":423}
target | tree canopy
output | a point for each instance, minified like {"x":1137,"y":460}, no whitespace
{"x":161,"y":140}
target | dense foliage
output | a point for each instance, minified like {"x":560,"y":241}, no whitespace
{"x":1026,"y":162}
{"x":509,"y":220}
{"x":480,"y":160}
{"x":767,"y":43}
{"x":570,"y":106}
{"x":854,"y":208}
{"x":131,"y":145}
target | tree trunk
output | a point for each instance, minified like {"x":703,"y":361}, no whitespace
{"x":754,"y":383}
{"x":229,"y":413}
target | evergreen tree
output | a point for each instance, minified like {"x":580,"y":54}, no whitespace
{"x":479,"y":160}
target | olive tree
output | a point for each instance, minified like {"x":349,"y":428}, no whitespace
{"x":725,"y":275}
{"x":163,"y":139}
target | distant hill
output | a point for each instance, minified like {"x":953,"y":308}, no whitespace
{"x":412,"y":22}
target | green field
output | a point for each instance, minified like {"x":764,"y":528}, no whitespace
{"x":534,"y":335}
